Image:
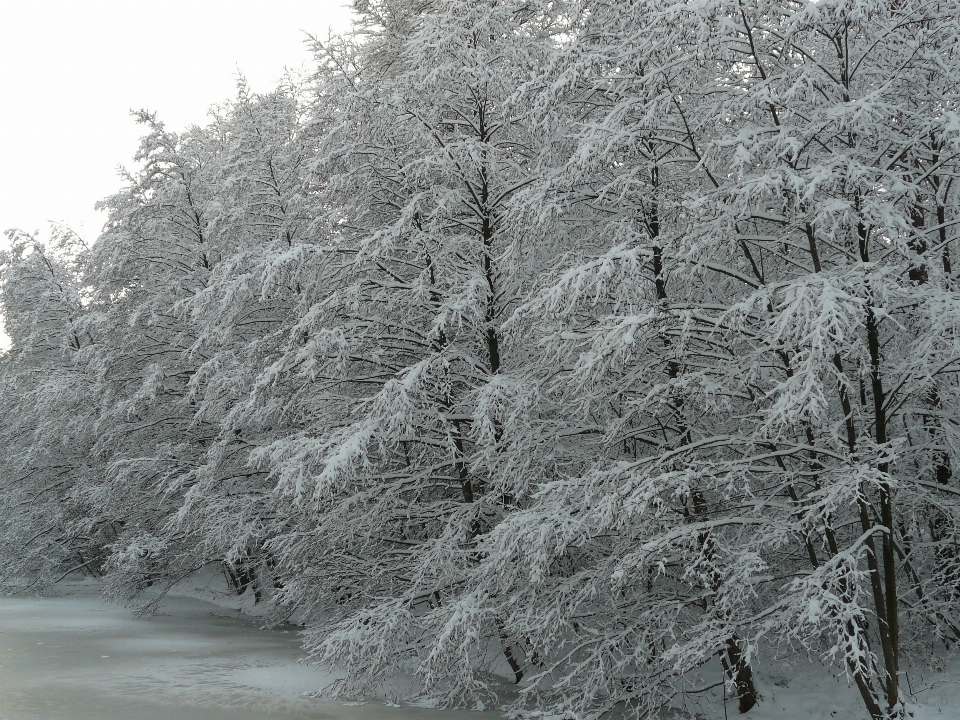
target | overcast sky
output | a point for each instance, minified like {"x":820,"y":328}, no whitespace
{"x":70,"y":72}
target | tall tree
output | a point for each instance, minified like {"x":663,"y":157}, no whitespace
{"x":394,"y":368}
{"x":806,"y":280}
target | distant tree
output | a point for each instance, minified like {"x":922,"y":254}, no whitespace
{"x":45,"y":418}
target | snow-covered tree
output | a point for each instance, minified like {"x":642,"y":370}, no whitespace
{"x":773,"y":335}
{"x":265,"y":219}
{"x":155,"y":252}
{"x":45,"y":418}
{"x":397,"y":366}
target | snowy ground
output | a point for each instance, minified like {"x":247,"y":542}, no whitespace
{"x":810,"y":690}
{"x":75,"y":658}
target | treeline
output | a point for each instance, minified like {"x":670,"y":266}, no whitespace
{"x":588,"y":345}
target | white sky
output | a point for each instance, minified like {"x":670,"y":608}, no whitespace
{"x":70,"y":72}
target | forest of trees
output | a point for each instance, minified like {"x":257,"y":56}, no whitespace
{"x":544,"y":353}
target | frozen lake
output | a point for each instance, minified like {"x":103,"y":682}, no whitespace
{"x":75,"y":658}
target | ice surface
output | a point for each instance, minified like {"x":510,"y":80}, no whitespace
{"x":75,"y":658}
